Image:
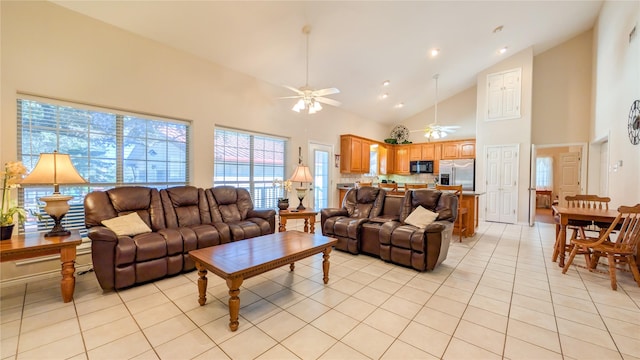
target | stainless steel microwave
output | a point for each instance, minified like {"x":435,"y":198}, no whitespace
{"x":421,"y":167}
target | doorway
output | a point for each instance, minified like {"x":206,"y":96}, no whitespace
{"x":320,"y":155}
{"x":567,"y":177}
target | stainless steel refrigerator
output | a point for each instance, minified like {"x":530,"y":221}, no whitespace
{"x":458,"y":172}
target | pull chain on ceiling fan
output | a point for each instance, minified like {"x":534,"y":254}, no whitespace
{"x":309,"y":99}
{"x":433,"y":130}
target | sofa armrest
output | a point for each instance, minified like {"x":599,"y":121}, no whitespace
{"x":267,"y":214}
{"x":331,"y":212}
{"x":435,"y":227}
{"x":102,"y":233}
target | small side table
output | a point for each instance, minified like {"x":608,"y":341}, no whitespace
{"x":34,"y":245}
{"x":309,"y":216}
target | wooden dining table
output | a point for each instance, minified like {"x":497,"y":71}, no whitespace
{"x":574,"y":213}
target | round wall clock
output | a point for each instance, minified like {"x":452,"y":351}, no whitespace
{"x":400,"y":133}
{"x":634,"y":123}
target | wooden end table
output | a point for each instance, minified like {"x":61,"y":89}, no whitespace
{"x":309,"y":216}
{"x":33,"y":245}
{"x":243,"y":259}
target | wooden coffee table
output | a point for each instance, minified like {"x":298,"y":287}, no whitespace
{"x":243,"y":259}
{"x":309,"y":216}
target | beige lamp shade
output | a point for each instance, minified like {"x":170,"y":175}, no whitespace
{"x":54,"y":168}
{"x":302,"y":174}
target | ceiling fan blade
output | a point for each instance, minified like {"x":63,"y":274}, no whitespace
{"x":293,"y":89}
{"x":290,"y":97}
{"x":327,"y":101}
{"x":324,"y":92}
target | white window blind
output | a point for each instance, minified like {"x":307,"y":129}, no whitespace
{"x":109,"y":148}
{"x":251,"y":161}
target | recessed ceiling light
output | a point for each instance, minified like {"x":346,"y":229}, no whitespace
{"x":435,"y":52}
{"x":497,"y":29}
{"x":400,"y":105}
{"x":386,"y":83}
{"x":384,"y":96}
{"x":503,"y":50}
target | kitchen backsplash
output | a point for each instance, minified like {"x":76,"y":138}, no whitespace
{"x":402,"y":179}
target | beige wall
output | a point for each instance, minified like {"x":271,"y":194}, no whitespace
{"x":50,"y":51}
{"x":616,"y":85}
{"x":459,"y":109}
{"x":506,"y":132}
{"x":562,"y":92}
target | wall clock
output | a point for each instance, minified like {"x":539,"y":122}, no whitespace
{"x":634,"y":123}
{"x":400,"y":133}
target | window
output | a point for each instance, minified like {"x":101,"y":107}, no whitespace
{"x":544,"y":173}
{"x":250,"y":161}
{"x":108,"y":147}
{"x":373,"y":161}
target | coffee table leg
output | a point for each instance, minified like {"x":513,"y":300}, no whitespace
{"x":325,"y":264}
{"x":292,"y":266}
{"x":282,"y":227}
{"x":234,"y":301}
{"x":202,"y":284}
{"x":313,"y":224}
{"x":68,"y":282}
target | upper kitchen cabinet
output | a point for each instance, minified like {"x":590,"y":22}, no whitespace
{"x":385,"y":159}
{"x":354,"y":154}
{"x":464,"y":149}
{"x":401,"y":160}
{"x":503,"y":95}
{"x":419,"y":152}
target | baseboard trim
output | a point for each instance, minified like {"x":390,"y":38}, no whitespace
{"x":23,"y":280}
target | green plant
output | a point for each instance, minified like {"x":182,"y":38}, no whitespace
{"x":11,"y":176}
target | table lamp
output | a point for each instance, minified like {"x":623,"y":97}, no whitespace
{"x":301,"y":175}
{"x":55,"y":168}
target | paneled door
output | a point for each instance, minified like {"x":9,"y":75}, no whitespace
{"x":320,"y":164}
{"x":502,"y":183}
{"x":569,"y":175}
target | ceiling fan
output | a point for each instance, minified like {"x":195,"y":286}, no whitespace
{"x":434,"y":130}
{"x":309,"y":99}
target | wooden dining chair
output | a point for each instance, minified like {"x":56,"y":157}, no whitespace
{"x":620,"y":251}
{"x":388,"y":186}
{"x":457,"y":190}
{"x":579,"y":227}
{"x":415,"y":186}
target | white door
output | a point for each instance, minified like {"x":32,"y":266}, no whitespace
{"x":320,"y":164}
{"x":569,"y":178}
{"x":502,"y":183}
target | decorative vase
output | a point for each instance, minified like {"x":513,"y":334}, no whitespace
{"x":6,"y":231}
{"x":283,"y":204}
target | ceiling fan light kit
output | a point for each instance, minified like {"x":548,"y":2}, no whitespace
{"x":308,"y":99}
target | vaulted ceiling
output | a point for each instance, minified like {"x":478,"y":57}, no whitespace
{"x":354,"y":45}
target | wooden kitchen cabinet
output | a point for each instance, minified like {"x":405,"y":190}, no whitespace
{"x":354,"y":154}
{"x":419,"y":152}
{"x":401,"y":161}
{"x":385,"y":159}
{"x":464,"y":149}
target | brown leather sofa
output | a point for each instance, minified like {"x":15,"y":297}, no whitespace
{"x":345,"y":224}
{"x":181,"y":218}
{"x":385,"y":234}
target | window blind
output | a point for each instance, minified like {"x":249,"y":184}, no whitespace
{"x":108,"y":147}
{"x":251,"y":161}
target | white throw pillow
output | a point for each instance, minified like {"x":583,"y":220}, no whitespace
{"x":128,"y":225}
{"x":421,"y":217}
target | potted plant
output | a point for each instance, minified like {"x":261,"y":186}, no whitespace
{"x":11,"y":176}
{"x":283,"y":201}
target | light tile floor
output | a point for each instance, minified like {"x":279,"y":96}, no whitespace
{"x":497,"y":295}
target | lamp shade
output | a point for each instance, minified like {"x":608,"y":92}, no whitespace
{"x":54,"y":168}
{"x":302,"y":174}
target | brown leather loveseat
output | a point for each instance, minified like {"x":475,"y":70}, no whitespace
{"x":181,"y":219}
{"x":385,"y":233}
